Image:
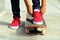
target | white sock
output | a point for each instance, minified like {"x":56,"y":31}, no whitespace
{"x":36,"y":10}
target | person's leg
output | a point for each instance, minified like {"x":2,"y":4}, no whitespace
{"x":16,"y":14}
{"x":15,"y":8}
{"x":37,"y":15}
{"x":29,"y":7}
{"x":43,"y":6}
{"x":36,"y":4}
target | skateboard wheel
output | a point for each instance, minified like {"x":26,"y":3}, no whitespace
{"x":43,"y":32}
{"x":39,"y":29}
{"x":26,"y":31}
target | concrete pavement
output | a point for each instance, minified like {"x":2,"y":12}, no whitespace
{"x":52,"y":18}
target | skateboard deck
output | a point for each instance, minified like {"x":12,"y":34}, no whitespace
{"x":30,"y":26}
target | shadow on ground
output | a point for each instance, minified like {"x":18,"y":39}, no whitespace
{"x":4,"y":23}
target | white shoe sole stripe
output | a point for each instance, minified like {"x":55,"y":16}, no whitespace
{"x":38,"y":23}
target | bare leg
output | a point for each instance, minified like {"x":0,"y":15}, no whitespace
{"x":29,"y":7}
{"x":43,"y":7}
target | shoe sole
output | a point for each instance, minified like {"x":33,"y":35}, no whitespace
{"x":38,"y":23}
{"x":14,"y":27}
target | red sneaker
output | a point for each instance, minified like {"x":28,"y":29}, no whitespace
{"x":15,"y":23}
{"x":37,"y":17}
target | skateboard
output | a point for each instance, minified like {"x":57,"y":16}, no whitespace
{"x":29,"y":26}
